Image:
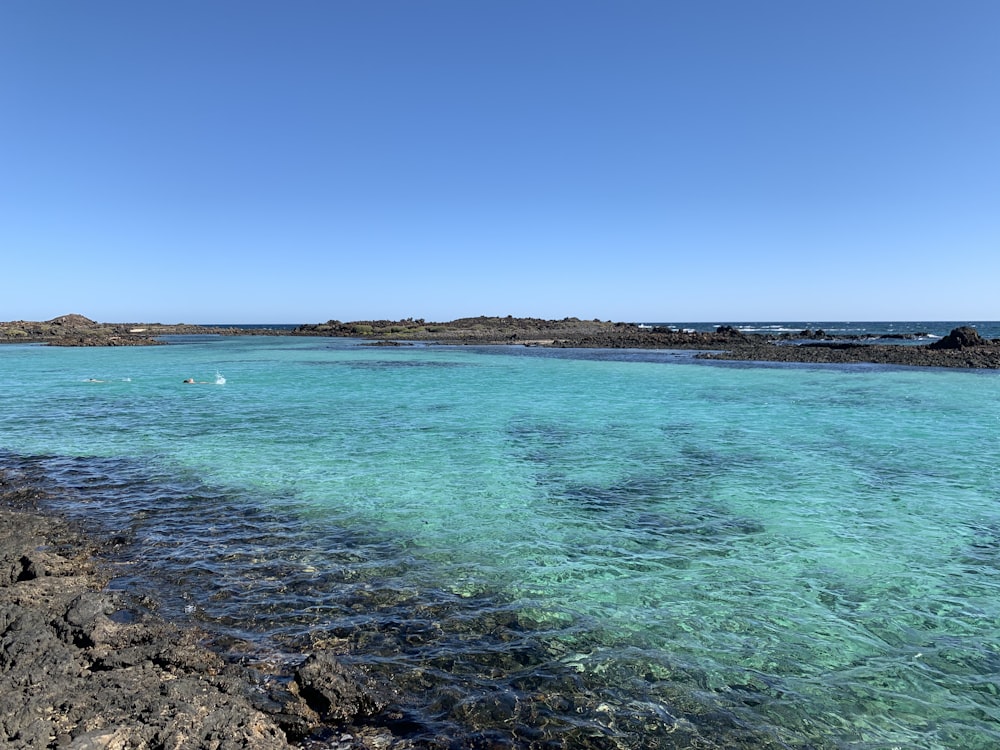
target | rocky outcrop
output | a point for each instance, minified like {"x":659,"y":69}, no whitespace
{"x":567,"y":332}
{"x":960,"y":338}
{"x":82,"y":668}
{"x":78,"y":330}
{"x":477,"y":330}
{"x":963,"y":347}
{"x":336,"y":692}
{"x":73,"y":320}
{"x":72,"y":330}
{"x":75,"y":674}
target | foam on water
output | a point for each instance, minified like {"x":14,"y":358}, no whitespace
{"x":814,"y":551}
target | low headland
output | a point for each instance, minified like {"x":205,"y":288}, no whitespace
{"x":963,"y":347}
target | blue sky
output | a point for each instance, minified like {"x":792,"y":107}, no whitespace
{"x":192,"y":161}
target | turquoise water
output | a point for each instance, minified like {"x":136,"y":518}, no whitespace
{"x":780,"y":556}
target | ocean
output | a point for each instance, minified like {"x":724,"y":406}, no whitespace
{"x":587,"y":548}
{"x":921,"y":331}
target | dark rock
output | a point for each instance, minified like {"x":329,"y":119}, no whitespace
{"x":827,"y":345}
{"x":335,"y":691}
{"x":31,"y":568}
{"x":963,"y":347}
{"x":11,"y":570}
{"x":86,"y":608}
{"x":729,"y":331}
{"x":959,"y":338}
{"x":73,"y":320}
{"x":71,"y":677}
{"x":86,"y":619}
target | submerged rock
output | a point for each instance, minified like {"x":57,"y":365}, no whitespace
{"x":334,"y":691}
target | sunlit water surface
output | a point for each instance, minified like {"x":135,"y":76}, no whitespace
{"x":621,"y":547}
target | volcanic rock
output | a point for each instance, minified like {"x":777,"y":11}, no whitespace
{"x":960,"y":338}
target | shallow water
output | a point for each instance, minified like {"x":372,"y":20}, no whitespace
{"x":603,"y":547}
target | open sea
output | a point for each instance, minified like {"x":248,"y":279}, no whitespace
{"x":554,"y":548}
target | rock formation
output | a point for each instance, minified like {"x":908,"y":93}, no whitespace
{"x":960,"y":338}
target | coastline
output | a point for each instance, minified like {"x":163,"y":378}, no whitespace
{"x":986,"y":357}
{"x":392,"y":621}
{"x":962,"y":348}
{"x":82,"y":667}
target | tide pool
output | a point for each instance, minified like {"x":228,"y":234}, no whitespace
{"x":810,"y":553}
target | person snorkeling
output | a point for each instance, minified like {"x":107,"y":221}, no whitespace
{"x":219,"y":380}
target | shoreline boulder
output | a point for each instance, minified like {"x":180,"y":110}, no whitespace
{"x":959,"y":338}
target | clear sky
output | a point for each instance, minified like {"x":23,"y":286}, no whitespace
{"x":659,"y":160}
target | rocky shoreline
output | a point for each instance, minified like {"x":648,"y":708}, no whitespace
{"x":78,"y":330}
{"x":84,"y":668}
{"x":962,"y":348}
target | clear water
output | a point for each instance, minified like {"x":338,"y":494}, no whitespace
{"x":709,"y":555}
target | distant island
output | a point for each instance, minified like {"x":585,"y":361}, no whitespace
{"x":963,"y":347}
